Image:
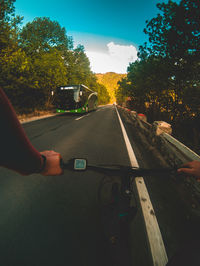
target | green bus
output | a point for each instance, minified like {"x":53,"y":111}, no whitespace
{"x":75,"y":99}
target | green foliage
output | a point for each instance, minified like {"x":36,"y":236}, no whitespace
{"x":49,"y":73}
{"x":79,"y":72}
{"x":175,"y":33}
{"x":103,"y":95}
{"x":42,"y":34}
{"x":121,"y":92}
{"x":110,"y":81}
{"x":78,"y":66}
{"x":17,"y":79}
{"x":14,"y":63}
{"x":7,"y":10}
{"x":8,"y":24}
{"x":38,"y":58}
{"x":168,"y":71}
{"x":164,"y":82}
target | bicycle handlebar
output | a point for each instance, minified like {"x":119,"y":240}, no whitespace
{"x":81,"y":165}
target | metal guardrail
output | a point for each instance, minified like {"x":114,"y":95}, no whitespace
{"x":170,"y":152}
{"x":187,"y":152}
{"x":179,"y":152}
{"x":174,"y":153}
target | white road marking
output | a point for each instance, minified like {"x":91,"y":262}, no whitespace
{"x":131,"y":153}
{"x":155,"y":241}
{"x":82,"y":117}
{"x":79,"y":118}
{"x":100,"y":109}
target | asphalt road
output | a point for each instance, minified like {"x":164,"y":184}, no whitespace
{"x":56,"y":220}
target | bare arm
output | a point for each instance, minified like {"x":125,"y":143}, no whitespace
{"x":17,"y":152}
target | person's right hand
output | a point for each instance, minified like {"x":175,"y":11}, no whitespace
{"x":191,"y":168}
{"x":52,"y":166}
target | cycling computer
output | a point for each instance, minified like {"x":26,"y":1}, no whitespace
{"x":80,"y":164}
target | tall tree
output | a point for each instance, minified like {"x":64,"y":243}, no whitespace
{"x":175,"y":35}
{"x":43,"y":34}
{"x":103,"y":95}
{"x":49,"y":73}
{"x":39,"y":58}
{"x":8,"y":23}
{"x":13,"y":61}
{"x":78,"y":66}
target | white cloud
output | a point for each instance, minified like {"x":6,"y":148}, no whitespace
{"x":116,"y":59}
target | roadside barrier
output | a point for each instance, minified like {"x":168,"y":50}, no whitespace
{"x":171,"y":152}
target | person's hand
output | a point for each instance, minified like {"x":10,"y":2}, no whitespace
{"x":191,"y":168}
{"x":52,"y":166}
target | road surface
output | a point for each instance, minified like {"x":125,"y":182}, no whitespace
{"x":56,"y":220}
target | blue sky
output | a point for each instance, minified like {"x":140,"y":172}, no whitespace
{"x":110,"y":30}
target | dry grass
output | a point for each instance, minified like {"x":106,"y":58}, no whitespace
{"x":37,"y":114}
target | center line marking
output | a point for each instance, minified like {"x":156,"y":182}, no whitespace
{"x":82,"y":117}
{"x":155,"y":241}
{"x":79,"y":118}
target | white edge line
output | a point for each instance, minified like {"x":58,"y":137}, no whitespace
{"x":156,"y":244}
{"x":131,"y":153}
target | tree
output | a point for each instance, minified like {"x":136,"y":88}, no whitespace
{"x":46,"y":44}
{"x":164,"y":82}
{"x":39,"y":58}
{"x":43,"y":34}
{"x":103,"y":95}
{"x":7,"y":10}
{"x":28,"y":76}
{"x":121,"y":91}
{"x":13,"y":61}
{"x":8,"y":24}
{"x":49,"y":73}
{"x":78,"y":66}
{"x":110,"y":80}
{"x":175,"y":36}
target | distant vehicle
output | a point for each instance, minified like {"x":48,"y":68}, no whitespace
{"x":75,"y":99}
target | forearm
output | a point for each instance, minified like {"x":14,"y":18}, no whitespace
{"x":17,"y":153}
